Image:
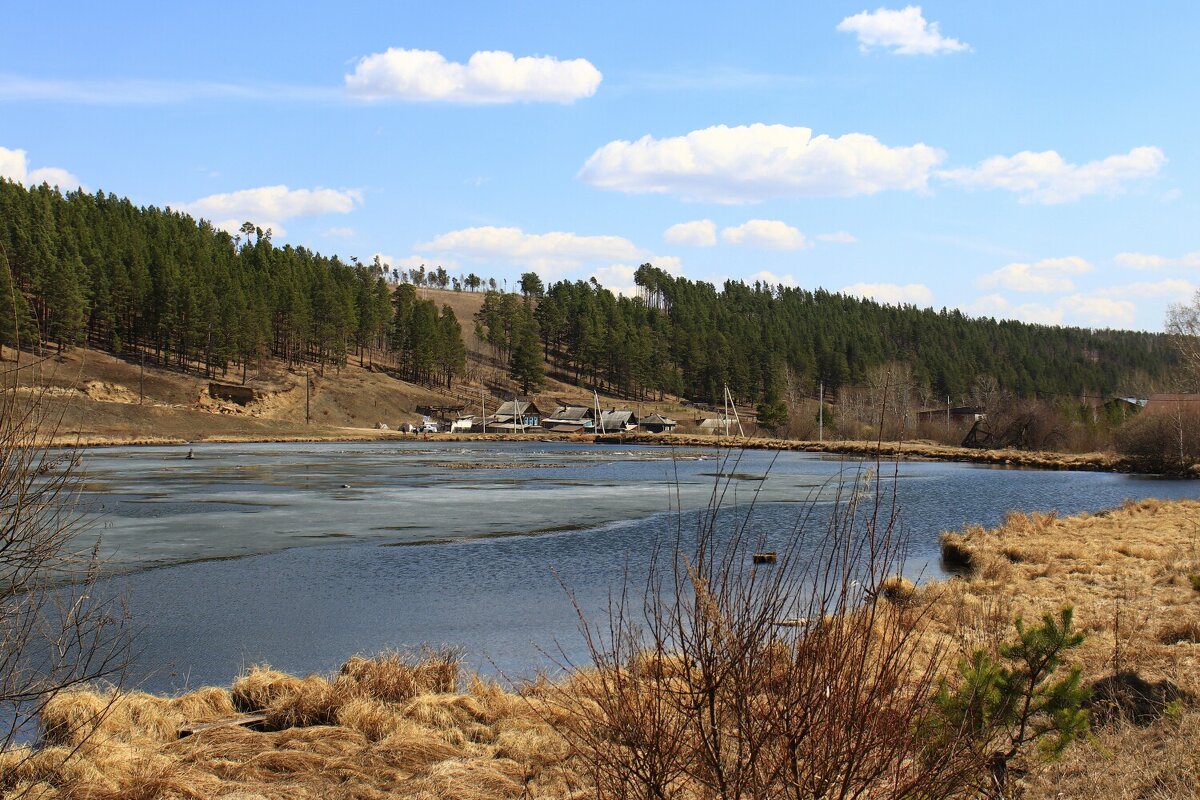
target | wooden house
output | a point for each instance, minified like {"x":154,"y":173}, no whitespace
{"x":515,"y":416}
{"x":716,"y":425}
{"x":657,"y":423}
{"x":570,"y":419}
{"x":616,"y":420}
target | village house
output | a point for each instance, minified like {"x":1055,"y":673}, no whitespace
{"x":515,"y":416}
{"x":570,"y":419}
{"x":657,"y":423}
{"x":956,"y":414}
{"x":716,"y":425}
{"x":616,"y":421}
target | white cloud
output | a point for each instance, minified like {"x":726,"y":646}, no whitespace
{"x":771,"y":234}
{"x":1099,"y":312}
{"x":698,"y":233}
{"x":1092,"y":310}
{"x":154,"y":92}
{"x":1170,"y":287}
{"x":546,"y":253}
{"x":1148,"y":261}
{"x":995,"y":305}
{"x":1048,"y":179}
{"x":491,"y":76}
{"x":617,"y":278}
{"x":269,"y":206}
{"x":841,"y":237}
{"x":14,"y":165}
{"x":751,"y":163}
{"x":1049,"y":275}
{"x":905,"y":32}
{"x":891,"y":293}
{"x":339,"y":233}
{"x":771,"y":279}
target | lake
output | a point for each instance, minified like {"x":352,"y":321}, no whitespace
{"x":301,"y":555}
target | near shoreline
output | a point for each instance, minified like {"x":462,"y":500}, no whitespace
{"x":381,"y":728}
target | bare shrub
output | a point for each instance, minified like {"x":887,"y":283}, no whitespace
{"x":1166,"y":440}
{"x":58,"y":630}
{"x":724,"y":678}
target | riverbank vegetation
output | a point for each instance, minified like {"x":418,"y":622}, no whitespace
{"x":723,"y":699}
{"x":57,"y":632}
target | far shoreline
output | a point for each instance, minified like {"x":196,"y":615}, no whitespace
{"x":887,"y":450}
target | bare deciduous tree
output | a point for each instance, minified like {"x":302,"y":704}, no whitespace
{"x":1183,"y":325}
{"x":727,"y":678}
{"x":57,"y":629}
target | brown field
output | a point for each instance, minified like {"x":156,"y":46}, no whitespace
{"x":391,"y":726}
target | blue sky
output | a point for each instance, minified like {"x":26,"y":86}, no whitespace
{"x":1024,"y":160}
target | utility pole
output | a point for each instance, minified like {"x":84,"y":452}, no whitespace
{"x":947,"y":413}
{"x":142,"y":378}
{"x":482,"y":406}
{"x":307,"y":401}
{"x":821,"y":413}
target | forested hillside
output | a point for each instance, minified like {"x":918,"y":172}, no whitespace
{"x":96,"y":269}
{"x":688,"y":338}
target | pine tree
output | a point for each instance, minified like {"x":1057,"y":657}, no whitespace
{"x":525,"y":361}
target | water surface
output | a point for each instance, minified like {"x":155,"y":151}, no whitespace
{"x":303,"y":554}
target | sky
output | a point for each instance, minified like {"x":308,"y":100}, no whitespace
{"x":1022,"y":160}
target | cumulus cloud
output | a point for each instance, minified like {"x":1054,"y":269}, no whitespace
{"x":1087,"y":310}
{"x":1148,"y":261}
{"x":1050,"y":275}
{"x":751,"y":163}
{"x":771,"y":279}
{"x":892,"y":293}
{"x":998,"y":306}
{"x":698,"y":233}
{"x":905,"y":32}
{"x":489,"y":76}
{"x":1098,"y":312}
{"x":270,"y":206}
{"x":14,"y":165}
{"x":1170,"y":287}
{"x":546,"y":253}
{"x":770,"y":234}
{"x":1047,"y":178}
{"x":841,"y":237}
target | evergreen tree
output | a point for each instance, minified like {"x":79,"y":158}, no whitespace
{"x":525,"y":362}
{"x":14,"y":313}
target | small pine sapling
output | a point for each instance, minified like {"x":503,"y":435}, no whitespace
{"x":1001,"y":707}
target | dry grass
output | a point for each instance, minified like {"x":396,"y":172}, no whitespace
{"x":391,"y":726}
{"x":401,"y":726}
{"x":1126,"y":572}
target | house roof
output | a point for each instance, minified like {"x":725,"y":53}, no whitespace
{"x":571,"y":413}
{"x":565,"y":427}
{"x":658,"y":419}
{"x":617,"y":419}
{"x":517,"y":408}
